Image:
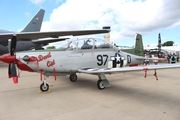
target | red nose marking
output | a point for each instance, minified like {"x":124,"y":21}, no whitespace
{"x":23,"y":66}
{"x":7,"y":58}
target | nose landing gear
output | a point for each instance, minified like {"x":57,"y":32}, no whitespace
{"x":44,"y":87}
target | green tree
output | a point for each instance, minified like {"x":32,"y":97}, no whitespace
{"x":50,"y":47}
{"x":168,"y":43}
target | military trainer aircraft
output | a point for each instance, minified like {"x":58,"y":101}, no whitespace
{"x":90,"y":56}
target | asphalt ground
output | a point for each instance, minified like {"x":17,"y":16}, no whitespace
{"x":130,"y":97}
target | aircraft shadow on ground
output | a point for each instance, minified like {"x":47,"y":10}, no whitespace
{"x":137,"y":94}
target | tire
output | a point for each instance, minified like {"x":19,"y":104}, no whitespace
{"x":100,"y":85}
{"x":122,"y":62}
{"x":44,"y":88}
{"x":73,"y":77}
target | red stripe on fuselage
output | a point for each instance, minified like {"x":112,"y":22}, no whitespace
{"x":23,"y":66}
{"x":7,"y":58}
{"x":131,"y":65}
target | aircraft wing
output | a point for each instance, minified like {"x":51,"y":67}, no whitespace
{"x":127,"y":69}
{"x":51,"y":34}
{"x":144,"y":58}
{"x":48,"y":40}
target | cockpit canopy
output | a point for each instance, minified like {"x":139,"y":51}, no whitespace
{"x":88,"y":43}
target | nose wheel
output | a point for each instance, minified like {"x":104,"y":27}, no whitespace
{"x":44,"y":87}
{"x":73,"y":77}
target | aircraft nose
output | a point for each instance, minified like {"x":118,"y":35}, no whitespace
{"x":7,"y":58}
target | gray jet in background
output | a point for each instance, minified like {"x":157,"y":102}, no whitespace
{"x":22,"y":44}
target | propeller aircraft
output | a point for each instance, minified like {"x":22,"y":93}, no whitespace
{"x":90,"y":56}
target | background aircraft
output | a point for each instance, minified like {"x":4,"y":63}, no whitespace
{"x":32,"y":26}
{"x":30,"y":37}
{"x":90,"y":56}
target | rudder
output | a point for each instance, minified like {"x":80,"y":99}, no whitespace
{"x":138,"y":46}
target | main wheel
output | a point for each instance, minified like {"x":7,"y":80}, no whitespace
{"x":100,"y":84}
{"x":73,"y":77}
{"x":122,"y":62}
{"x":44,"y":87}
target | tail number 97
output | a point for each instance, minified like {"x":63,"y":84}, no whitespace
{"x":102,"y":59}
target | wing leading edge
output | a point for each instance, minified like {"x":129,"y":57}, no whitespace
{"x":51,"y":34}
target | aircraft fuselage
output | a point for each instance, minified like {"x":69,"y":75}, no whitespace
{"x":70,"y":61}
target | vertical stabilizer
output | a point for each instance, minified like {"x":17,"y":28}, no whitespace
{"x":139,"y":50}
{"x":35,"y":23}
{"x":138,"y":46}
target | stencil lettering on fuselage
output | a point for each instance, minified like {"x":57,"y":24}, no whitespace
{"x":102,"y":59}
{"x":49,"y":63}
{"x":128,"y":59}
{"x":41,"y":57}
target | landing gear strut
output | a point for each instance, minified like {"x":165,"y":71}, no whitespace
{"x":44,"y":86}
{"x":102,"y":83}
{"x":73,"y":77}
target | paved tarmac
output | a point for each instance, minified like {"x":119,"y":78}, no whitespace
{"x":131,"y":97}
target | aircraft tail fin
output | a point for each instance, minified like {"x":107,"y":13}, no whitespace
{"x":35,"y":23}
{"x":138,"y":46}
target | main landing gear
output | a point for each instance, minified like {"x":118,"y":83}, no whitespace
{"x":73,"y":77}
{"x":102,"y":83}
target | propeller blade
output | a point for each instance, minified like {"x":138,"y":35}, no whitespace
{"x":13,"y":69}
{"x":13,"y":45}
{"x":13,"y":72}
{"x":9,"y":45}
{"x":9,"y":71}
{"x":15,"y":79}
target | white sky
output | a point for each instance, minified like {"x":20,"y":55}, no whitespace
{"x":125,"y":17}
